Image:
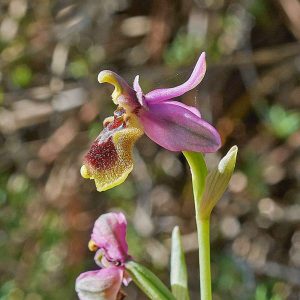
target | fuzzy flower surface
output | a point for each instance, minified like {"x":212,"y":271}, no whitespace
{"x":169,"y":123}
{"x":108,"y":239}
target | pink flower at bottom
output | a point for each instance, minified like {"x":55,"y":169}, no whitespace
{"x":108,"y":239}
{"x":104,"y":284}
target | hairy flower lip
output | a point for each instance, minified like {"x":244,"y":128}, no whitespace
{"x":109,"y":159}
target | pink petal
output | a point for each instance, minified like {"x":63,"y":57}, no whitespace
{"x":99,"y":285}
{"x":192,"y":109}
{"x":176,"y":127}
{"x":198,"y":73}
{"x":109,"y":234}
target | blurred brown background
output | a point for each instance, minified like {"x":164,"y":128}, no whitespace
{"x":52,"y":107}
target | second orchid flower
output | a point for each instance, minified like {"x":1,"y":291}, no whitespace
{"x":109,"y":241}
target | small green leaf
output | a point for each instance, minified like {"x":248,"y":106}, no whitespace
{"x":78,"y":68}
{"x":149,"y":283}
{"x":217,"y":181}
{"x":179,"y":278}
{"x":199,"y":172}
{"x":21,"y":76}
{"x":283,"y":122}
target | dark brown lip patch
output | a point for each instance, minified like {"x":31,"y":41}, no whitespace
{"x":102,"y":155}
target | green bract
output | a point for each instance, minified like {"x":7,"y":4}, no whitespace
{"x":217,"y":181}
{"x":148,"y":282}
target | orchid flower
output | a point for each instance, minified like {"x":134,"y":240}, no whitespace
{"x":169,"y":123}
{"x":108,"y":239}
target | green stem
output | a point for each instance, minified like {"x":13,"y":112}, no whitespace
{"x":199,"y":174}
{"x":204,"y":257}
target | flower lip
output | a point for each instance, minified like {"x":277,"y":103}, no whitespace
{"x":107,"y":153}
{"x":110,"y":158}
